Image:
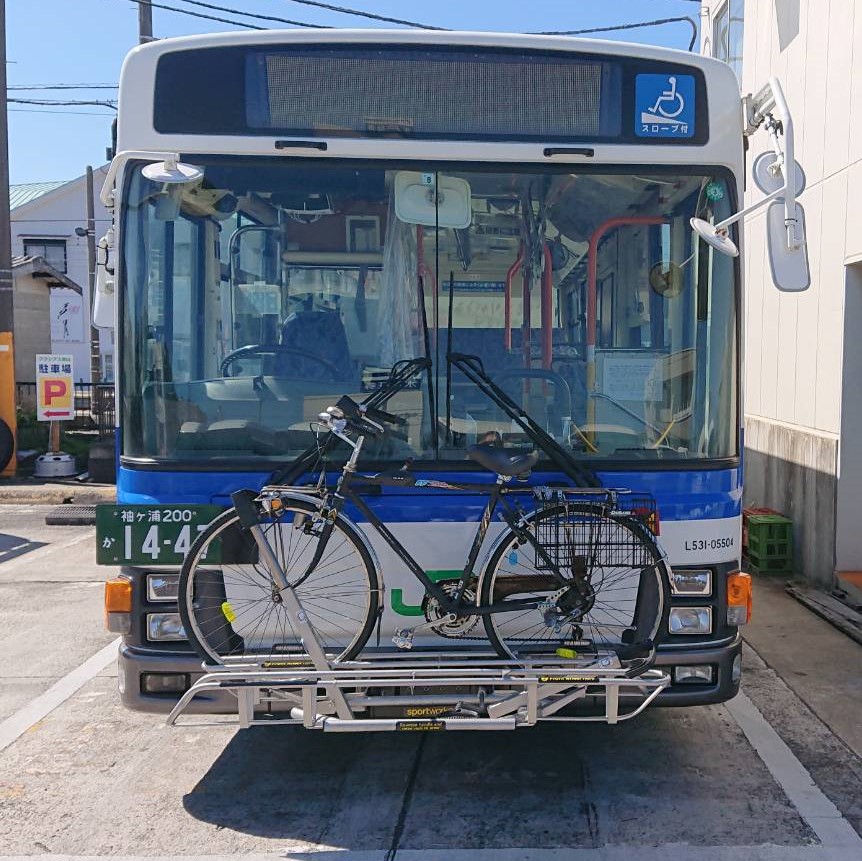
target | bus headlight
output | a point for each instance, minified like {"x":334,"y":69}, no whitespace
{"x":690,"y":620}
{"x":694,"y":675}
{"x":163,"y":587}
{"x":691,"y":583}
{"x":165,"y":626}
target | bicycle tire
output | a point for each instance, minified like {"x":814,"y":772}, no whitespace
{"x":230,"y":611}
{"x":637,"y":612}
{"x":7,"y":444}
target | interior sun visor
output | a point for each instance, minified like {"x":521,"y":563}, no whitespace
{"x":432,"y":199}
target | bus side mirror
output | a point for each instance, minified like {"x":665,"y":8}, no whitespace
{"x":103,"y":298}
{"x":789,"y":266}
{"x":785,"y":223}
{"x":788,"y":259}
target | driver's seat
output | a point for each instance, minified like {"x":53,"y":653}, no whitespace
{"x":320,"y":333}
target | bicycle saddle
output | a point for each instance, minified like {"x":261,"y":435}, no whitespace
{"x":498,"y":459}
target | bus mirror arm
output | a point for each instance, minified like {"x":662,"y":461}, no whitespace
{"x":759,"y":113}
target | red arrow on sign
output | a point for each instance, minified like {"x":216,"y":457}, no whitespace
{"x":57,"y":413}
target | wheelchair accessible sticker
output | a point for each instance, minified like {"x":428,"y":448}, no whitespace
{"x":664,"y":106}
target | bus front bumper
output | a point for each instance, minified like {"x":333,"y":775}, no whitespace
{"x":142,"y":670}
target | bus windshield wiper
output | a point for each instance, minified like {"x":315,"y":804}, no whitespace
{"x":473,"y":369}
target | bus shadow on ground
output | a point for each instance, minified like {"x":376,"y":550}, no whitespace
{"x":662,"y":778}
{"x":13,"y":546}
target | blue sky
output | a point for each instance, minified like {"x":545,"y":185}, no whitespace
{"x":84,"y":41}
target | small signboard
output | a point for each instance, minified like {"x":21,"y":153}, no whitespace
{"x":55,"y":388}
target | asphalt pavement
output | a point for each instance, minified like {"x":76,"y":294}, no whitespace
{"x":774,"y":774}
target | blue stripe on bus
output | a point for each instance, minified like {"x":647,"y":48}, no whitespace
{"x":681,"y":495}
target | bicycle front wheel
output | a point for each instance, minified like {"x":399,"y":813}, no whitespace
{"x":232,"y":610}
{"x":614,"y":592}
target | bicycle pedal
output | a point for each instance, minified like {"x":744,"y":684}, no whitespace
{"x":403,"y":639}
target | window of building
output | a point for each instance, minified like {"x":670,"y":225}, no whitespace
{"x":53,"y":251}
{"x":727,"y":29}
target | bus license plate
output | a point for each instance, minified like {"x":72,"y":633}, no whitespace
{"x":150,"y":534}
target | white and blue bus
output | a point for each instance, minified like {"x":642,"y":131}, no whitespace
{"x":351,"y":199}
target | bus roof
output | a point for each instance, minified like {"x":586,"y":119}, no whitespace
{"x":137,"y":129}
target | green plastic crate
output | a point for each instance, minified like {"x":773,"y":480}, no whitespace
{"x":770,"y":566}
{"x":770,"y":536}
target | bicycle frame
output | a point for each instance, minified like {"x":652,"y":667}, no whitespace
{"x":496,"y":494}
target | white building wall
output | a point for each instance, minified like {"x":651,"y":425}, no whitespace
{"x":55,"y":215}
{"x":794,"y":343}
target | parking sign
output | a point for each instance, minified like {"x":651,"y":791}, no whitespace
{"x":55,"y":388}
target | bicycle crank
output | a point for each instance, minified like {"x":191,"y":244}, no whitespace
{"x":446,"y":624}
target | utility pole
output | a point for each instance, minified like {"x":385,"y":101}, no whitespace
{"x":7,"y":324}
{"x":95,"y":353}
{"x":145,"y":22}
{"x":5,"y":226}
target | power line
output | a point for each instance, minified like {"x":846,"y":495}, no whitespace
{"x":255,"y":15}
{"x":360,"y":14}
{"x":196,"y":14}
{"x":633,"y":26}
{"x":62,"y":87}
{"x":51,"y":102}
{"x":50,"y":111}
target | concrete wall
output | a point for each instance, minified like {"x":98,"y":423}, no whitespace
{"x":32,"y":324}
{"x":55,"y":215}
{"x":794,"y":471}
{"x":794,"y":343}
{"x":848,"y":533}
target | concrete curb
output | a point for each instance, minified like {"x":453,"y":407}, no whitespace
{"x":56,"y":493}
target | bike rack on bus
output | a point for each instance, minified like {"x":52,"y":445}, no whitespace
{"x":427,"y":690}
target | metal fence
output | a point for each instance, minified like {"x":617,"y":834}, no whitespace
{"x":94,"y":406}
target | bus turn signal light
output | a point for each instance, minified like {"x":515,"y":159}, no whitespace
{"x":738,"y":598}
{"x":118,"y":596}
{"x":118,"y":605}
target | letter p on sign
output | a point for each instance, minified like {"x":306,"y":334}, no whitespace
{"x":55,"y":393}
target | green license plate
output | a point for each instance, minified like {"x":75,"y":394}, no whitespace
{"x":150,"y":534}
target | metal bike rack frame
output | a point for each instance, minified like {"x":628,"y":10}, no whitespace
{"x":492,"y":694}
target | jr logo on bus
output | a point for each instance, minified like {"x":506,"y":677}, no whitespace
{"x":664,"y":106}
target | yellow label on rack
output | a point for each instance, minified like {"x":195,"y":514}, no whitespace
{"x":283,"y":665}
{"x":420,"y":725}
{"x":565,"y":680}
{"x":228,"y":611}
{"x":566,"y":653}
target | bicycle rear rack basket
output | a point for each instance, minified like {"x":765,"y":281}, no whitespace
{"x":575,"y":535}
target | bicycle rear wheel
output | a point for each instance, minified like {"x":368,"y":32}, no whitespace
{"x":615,"y":594}
{"x":232,"y":611}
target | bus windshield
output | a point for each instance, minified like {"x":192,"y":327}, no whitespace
{"x":254,"y":298}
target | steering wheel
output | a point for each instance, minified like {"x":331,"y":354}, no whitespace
{"x":264,"y":349}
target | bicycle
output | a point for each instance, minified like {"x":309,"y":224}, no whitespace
{"x":295,"y":578}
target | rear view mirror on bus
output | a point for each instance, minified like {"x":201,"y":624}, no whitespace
{"x":432,"y":200}
{"x":788,"y":263}
{"x":103,"y":299}
{"x":789,"y":266}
